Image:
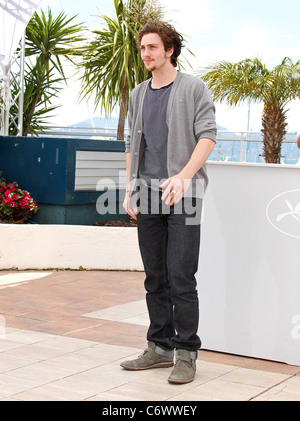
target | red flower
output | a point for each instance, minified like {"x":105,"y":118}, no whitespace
{"x":15,"y":202}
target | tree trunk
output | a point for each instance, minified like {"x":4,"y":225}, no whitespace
{"x":41,"y":70}
{"x":27,"y":120}
{"x":274,"y":129}
{"x":123,"y":108}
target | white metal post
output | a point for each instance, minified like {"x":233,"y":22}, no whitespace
{"x":242,"y":147}
{"x":21,"y":96}
{"x":6,"y":104}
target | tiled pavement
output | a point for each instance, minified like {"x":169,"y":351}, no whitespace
{"x":63,"y":335}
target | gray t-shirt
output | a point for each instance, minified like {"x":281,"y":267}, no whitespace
{"x":153,"y":167}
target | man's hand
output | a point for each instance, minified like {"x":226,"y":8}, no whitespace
{"x":131,"y":211}
{"x":175,"y":187}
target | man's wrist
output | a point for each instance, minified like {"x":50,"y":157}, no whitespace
{"x":187,"y":173}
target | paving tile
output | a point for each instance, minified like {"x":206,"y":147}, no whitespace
{"x":288,"y":390}
{"x":10,"y":363}
{"x":74,"y":363}
{"x":65,"y":333}
{"x":25,"y":336}
{"x":88,"y":382}
{"x":140,"y":320}
{"x":254,"y":377}
{"x":21,"y":322}
{"x":15,"y":278}
{"x":6,"y":344}
{"x":54,"y":328}
{"x":112,"y":396}
{"x":219,"y":390}
{"x":116,"y":373}
{"x":51,"y":392}
{"x":14,"y":310}
{"x":108,"y":352}
{"x":65,"y":344}
{"x":120,"y":312}
{"x":10,"y":385}
{"x":106,"y":332}
{"x":41,"y":373}
{"x":143,"y":391}
{"x":247,"y":362}
{"x":34,"y":352}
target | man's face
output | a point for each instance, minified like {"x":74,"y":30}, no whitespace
{"x":153,"y":52}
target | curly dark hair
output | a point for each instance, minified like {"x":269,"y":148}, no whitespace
{"x":170,"y":37}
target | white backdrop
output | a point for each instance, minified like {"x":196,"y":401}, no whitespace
{"x":249,"y":273}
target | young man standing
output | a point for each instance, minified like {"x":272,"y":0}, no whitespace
{"x":172,"y":132}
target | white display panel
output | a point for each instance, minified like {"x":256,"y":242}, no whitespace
{"x":249,"y":272}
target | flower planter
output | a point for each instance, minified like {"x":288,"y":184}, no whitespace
{"x":34,"y":246}
{"x":20,"y":221}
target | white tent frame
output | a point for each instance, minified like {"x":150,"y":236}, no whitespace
{"x":15,"y":76}
{"x":12,"y":62}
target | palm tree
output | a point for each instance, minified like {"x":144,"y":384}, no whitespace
{"x":112,"y":63}
{"x":47,"y":40}
{"x":251,"y":80}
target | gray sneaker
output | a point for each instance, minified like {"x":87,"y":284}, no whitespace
{"x":152,"y":357}
{"x":185,"y":367}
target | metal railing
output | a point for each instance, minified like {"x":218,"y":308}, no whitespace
{"x":102,"y":133}
{"x":247,"y":146}
{"x":233,"y":146}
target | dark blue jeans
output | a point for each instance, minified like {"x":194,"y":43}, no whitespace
{"x":169,"y":246}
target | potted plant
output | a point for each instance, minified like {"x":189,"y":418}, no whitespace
{"x":16,"y":205}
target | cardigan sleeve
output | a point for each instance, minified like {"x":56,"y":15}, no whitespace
{"x":129,"y":119}
{"x":204,"y":122}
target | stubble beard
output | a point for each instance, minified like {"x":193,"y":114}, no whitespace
{"x":151,"y":67}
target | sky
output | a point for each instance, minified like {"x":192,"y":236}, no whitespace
{"x":214,"y":30}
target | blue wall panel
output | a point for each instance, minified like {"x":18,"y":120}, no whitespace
{"x":46,"y":168}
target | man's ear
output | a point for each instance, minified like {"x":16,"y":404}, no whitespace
{"x":170,"y":52}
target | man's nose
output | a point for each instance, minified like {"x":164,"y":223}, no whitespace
{"x":146,"y":52}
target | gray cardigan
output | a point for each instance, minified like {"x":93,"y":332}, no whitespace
{"x":190,"y":116}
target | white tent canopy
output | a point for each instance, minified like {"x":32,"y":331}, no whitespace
{"x":14,"y":16}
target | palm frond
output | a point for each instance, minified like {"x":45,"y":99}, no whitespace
{"x":48,"y":40}
{"x":249,"y":79}
{"x":112,"y":57}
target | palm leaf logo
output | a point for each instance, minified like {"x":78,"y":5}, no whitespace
{"x":295,"y":213}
